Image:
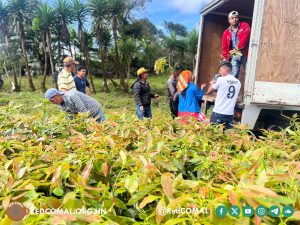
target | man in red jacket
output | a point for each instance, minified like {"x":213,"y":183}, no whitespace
{"x":235,"y":43}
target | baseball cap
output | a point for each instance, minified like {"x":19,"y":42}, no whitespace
{"x":233,"y":14}
{"x":50,"y":93}
{"x":69,"y":60}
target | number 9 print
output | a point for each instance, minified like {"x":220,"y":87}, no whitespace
{"x":231,"y":92}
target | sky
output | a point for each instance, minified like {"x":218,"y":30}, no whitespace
{"x":186,"y":12}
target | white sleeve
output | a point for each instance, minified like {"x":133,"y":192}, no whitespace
{"x":216,"y":85}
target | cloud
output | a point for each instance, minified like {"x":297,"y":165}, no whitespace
{"x":188,"y":6}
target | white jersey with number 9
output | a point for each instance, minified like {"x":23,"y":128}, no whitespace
{"x":228,"y":89}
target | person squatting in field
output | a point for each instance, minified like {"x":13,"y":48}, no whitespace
{"x":75,"y":102}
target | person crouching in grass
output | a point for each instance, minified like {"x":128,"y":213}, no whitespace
{"x":189,"y":98}
{"x":75,"y":102}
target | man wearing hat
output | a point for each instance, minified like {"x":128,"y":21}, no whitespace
{"x":227,"y":88}
{"x":235,"y":43}
{"x":75,"y":102}
{"x":142,"y":94}
{"x":65,"y":79}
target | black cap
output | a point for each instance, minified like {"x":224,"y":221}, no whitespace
{"x":226,"y":63}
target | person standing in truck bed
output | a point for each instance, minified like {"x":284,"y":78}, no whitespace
{"x":235,"y":43}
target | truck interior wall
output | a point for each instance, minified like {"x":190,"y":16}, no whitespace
{"x":213,"y":27}
{"x":214,"y":24}
{"x":279,"y":50}
{"x":211,"y":48}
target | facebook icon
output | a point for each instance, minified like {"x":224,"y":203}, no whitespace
{"x":221,"y":211}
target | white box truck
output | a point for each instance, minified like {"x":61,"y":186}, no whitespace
{"x":271,"y":82}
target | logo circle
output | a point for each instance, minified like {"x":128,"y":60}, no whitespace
{"x":16,"y":211}
{"x":234,"y":211}
{"x":274,"y":211}
{"x":248,"y":211}
{"x":221,"y":211}
{"x":261,"y":211}
{"x":288,"y":211}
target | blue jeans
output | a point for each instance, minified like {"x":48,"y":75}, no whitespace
{"x":101,"y":116}
{"x":227,"y":120}
{"x":236,"y":62}
{"x":147,"y":112}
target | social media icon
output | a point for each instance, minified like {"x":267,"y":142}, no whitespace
{"x":234,"y":211}
{"x":248,"y":211}
{"x":261,"y":211}
{"x":288,"y":211}
{"x":221,"y":211}
{"x":274,"y":211}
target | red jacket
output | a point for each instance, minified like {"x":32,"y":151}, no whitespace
{"x":243,"y":34}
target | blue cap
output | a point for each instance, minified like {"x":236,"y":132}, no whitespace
{"x":50,"y":93}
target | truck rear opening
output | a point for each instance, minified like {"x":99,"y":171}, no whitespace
{"x":271,"y":82}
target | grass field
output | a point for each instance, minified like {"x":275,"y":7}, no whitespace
{"x":116,"y":100}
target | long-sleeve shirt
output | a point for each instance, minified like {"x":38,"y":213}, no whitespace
{"x":75,"y":102}
{"x":81,"y":84}
{"x":243,"y":36}
{"x":65,"y":81}
{"x":172,"y":87}
{"x":191,"y":101}
{"x":142,"y":94}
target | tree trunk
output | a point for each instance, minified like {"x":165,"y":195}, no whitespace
{"x":87,"y":64}
{"x":48,"y":40}
{"x":74,"y":50}
{"x":194,"y":61}
{"x":181,"y":56}
{"x":58,"y":52}
{"x":103,"y":59}
{"x":43,"y":83}
{"x":67,"y":37}
{"x":22,"y":37}
{"x":119,"y":67}
{"x":128,"y":72}
{"x":17,"y":84}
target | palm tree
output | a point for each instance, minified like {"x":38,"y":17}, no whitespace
{"x":99,"y":11}
{"x":65,"y":17}
{"x":44,"y":21}
{"x":171,"y":43}
{"x":88,"y":43}
{"x":4,"y":37}
{"x":116,"y":9}
{"x":18,"y":11}
{"x":4,"y":18}
{"x":80,"y":11}
{"x":192,"y":42}
{"x":181,"y":46}
{"x":128,"y":48}
{"x":105,"y":42}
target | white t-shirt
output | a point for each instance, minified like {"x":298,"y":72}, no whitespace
{"x":228,"y":89}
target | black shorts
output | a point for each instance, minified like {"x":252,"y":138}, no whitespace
{"x":227,"y":120}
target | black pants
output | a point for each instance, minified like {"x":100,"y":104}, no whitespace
{"x":227,"y":120}
{"x":174,"y":107}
